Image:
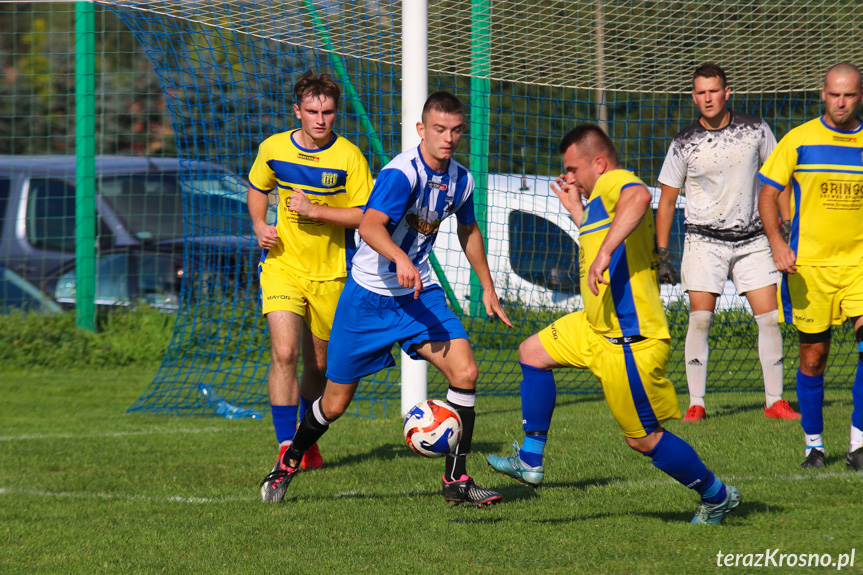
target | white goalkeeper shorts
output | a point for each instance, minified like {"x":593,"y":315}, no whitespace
{"x":707,"y":263}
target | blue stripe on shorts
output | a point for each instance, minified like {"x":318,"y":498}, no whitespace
{"x":367,"y":325}
{"x":639,"y":396}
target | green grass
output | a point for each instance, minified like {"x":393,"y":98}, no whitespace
{"x":86,"y":488}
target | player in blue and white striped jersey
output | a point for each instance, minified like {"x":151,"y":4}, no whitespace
{"x":389,"y":297}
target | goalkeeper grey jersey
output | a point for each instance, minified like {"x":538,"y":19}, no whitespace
{"x":717,"y":171}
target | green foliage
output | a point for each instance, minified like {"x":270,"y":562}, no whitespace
{"x":123,"y":337}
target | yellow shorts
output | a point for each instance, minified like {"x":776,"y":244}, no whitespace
{"x":315,"y":301}
{"x":817,"y":297}
{"x":632,"y":375}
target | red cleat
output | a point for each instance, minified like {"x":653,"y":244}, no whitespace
{"x":781,"y":410}
{"x":312,"y":458}
{"x":694,"y":413}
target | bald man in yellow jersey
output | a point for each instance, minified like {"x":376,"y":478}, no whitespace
{"x":322,"y":182}
{"x":621,"y":335}
{"x":823,"y":260}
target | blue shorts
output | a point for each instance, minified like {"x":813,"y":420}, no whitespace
{"x":368,"y":324}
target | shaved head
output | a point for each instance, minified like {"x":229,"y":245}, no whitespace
{"x":591,"y":141}
{"x":843,"y":69}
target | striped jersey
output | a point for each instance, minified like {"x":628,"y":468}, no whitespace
{"x":630,"y":305}
{"x":416,"y":199}
{"x":825,"y":168}
{"x":336,"y":175}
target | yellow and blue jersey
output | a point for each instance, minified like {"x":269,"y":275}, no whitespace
{"x":630,"y":305}
{"x":825,"y":168}
{"x":337,"y":176}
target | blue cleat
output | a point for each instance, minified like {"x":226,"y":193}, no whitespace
{"x":713,"y":514}
{"x":514,"y":467}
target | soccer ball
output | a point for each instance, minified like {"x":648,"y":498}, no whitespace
{"x":432,"y":428}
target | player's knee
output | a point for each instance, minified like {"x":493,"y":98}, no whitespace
{"x":285,"y":355}
{"x":333,"y":408}
{"x":465,"y":378}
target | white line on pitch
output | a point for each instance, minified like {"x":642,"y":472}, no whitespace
{"x":39,"y":436}
{"x":123,"y":496}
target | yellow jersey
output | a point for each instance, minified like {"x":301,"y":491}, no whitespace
{"x":337,"y":176}
{"x":825,"y":168}
{"x":630,"y":305}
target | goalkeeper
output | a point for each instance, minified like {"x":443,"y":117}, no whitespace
{"x":715,"y":161}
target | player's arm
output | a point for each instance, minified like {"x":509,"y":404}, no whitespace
{"x":473,"y":245}
{"x":664,"y":221}
{"x":784,"y":205}
{"x":569,"y":198}
{"x":258,"y":204}
{"x":373,"y":230}
{"x":633,"y":204}
{"x":345,"y":217}
{"x":768,"y":202}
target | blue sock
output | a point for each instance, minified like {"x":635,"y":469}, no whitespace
{"x":305,"y":405}
{"x":679,"y":460}
{"x":810,"y":396}
{"x":285,"y":421}
{"x":532,"y":448}
{"x":538,"y":396}
{"x":857,"y":394}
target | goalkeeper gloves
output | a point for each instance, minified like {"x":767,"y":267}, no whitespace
{"x":667,"y":273}
{"x":785,"y":230}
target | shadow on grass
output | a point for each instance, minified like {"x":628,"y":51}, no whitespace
{"x":745,"y":509}
{"x":390,"y":451}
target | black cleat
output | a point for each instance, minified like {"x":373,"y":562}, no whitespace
{"x":815,"y":460}
{"x":854,"y":459}
{"x":466,"y":491}
{"x":274,"y":485}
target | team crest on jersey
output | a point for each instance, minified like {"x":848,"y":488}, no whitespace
{"x":426,"y":222}
{"x":329,"y":179}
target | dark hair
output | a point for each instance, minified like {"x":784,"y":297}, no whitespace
{"x":592,"y":139}
{"x":710,"y":71}
{"x":312,"y":85}
{"x":443,"y":102}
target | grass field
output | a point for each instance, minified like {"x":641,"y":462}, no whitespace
{"x":86,"y":488}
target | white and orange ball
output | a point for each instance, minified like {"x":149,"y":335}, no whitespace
{"x":432,"y":428}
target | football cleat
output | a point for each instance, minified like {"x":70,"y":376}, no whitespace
{"x":694,"y":413}
{"x":466,"y":491}
{"x":514,"y":467}
{"x":781,"y":410}
{"x":712,"y":514}
{"x":815,"y":460}
{"x":854,"y":459}
{"x":312,"y":458}
{"x":274,"y":485}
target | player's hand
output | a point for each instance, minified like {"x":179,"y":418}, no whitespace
{"x":409,"y":277}
{"x":667,"y":273}
{"x":785,"y":230}
{"x":596,"y":271}
{"x":301,"y":204}
{"x":493,"y":307}
{"x":784,"y":258}
{"x":566,"y":193}
{"x":267,"y":236}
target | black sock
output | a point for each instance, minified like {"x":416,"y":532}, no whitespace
{"x":308,"y":433}
{"x":455,"y":464}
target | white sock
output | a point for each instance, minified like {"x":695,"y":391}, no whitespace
{"x":813,"y":442}
{"x":770,"y":354}
{"x":856,"y":439}
{"x":695,"y":353}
